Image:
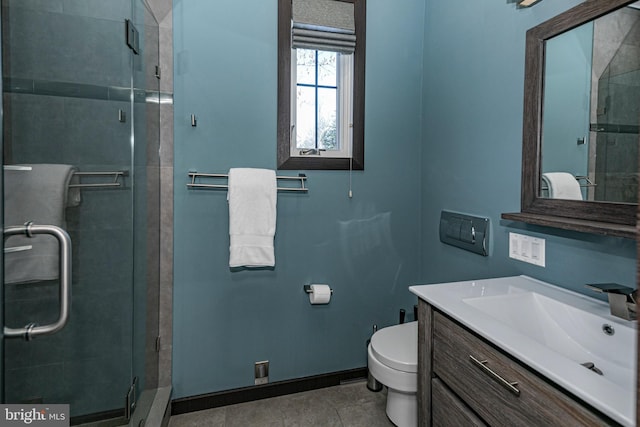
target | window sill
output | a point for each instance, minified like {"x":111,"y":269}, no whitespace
{"x":320,"y":163}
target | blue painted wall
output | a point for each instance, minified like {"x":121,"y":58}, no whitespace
{"x":367,"y":248}
{"x":472,"y":133}
{"x":444,"y":88}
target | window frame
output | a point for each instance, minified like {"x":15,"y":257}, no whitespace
{"x":285,"y":160}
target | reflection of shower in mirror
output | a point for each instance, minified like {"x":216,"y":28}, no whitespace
{"x":592,"y":84}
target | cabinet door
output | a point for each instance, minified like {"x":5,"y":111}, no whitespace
{"x":500,"y":390}
{"x":449,"y":411}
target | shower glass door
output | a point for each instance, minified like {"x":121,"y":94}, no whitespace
{"x":75,"y":156}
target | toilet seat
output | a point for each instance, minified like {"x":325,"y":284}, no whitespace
{"x":397,"y":347}
{"x":405,"y":382}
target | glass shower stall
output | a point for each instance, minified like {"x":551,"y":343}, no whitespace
{"x":81,"y":194}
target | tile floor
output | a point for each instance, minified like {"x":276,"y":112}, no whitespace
{"x":348,"y":405}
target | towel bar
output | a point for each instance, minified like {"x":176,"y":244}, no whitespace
{"x":115,"y":183}
{"x":588,"y":182}
{"x":17,"y":249}
{"x":301,"y":178}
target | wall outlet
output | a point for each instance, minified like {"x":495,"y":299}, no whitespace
{"x":526,"y":248}
{"x":261,"y":372}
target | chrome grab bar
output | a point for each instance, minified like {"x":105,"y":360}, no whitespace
{"x":32,"y":330}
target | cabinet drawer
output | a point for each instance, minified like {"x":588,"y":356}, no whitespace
{"x":484,"y":383}
{"x":449,"y":411}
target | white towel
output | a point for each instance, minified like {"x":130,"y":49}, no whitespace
{"x":38,"y":195}
{"x":562,"y":185}
{"x":252,"y":217}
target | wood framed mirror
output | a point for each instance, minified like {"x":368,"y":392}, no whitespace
{"x":587,"y":212}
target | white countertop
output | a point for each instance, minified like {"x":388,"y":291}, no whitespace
{"x":614,"y":393}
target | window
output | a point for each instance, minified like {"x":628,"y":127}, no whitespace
{"x":320,"y":91}
{"x":321,"y":112}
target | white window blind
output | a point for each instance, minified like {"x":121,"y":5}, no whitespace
{"x":323,"y":25}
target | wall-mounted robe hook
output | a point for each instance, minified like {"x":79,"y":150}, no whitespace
{"x":194,"y":122}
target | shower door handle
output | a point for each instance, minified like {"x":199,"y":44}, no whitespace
{"x":64,"y":245}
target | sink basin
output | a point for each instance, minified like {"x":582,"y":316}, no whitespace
{"x":567,"y":337}
{"x":576,"y":334}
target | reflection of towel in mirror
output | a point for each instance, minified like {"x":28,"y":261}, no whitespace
{"x":252,"y":217}
{"x":39,"y":195}
{"x":562,"y":185}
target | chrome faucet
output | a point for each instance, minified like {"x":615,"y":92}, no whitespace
{"x":622,"y":299}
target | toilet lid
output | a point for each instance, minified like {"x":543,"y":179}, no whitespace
{"x":397,"y":346}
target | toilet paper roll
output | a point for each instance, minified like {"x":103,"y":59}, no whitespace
{"x":320,"y":294}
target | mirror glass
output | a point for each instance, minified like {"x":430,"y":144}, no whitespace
{"x":591,"y":110}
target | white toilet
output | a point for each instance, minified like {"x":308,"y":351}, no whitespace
{"x":393,"y":361}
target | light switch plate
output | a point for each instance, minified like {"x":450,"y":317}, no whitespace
{"x":526,"y":248}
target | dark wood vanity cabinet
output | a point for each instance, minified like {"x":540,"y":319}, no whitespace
{"x":447,"y":410}
{"x":465,"y":381}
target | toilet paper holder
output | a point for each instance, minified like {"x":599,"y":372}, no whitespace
{"x":307,"y":289}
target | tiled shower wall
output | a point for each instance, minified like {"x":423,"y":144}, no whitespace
{"x":614,"y":106}
{"x":46,"y":121}
{"x":162,"y":10}
{"x":41,"y":124}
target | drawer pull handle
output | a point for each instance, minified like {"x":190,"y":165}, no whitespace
{"x":482,"y":364}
